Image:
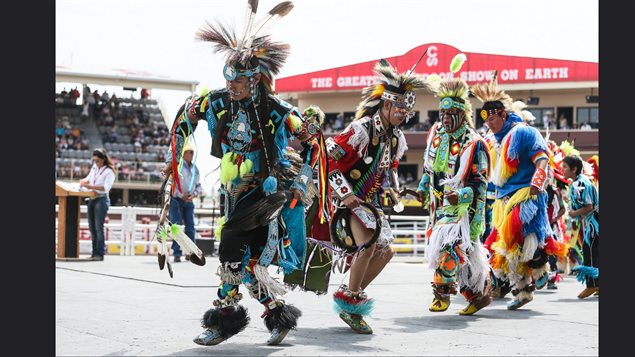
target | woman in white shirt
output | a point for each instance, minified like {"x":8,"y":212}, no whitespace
{"x":100,"y":179}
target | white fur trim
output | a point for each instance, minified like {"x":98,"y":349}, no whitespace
{"x":529,"y":247}
{"x":524,"y":295}
{"x":475,"y":271}
{"x":447,"y":234}
{"x":359,"y":140}
{"x":271,"y":286}
{"x":538,"y":272}
{"x":402,"y":145}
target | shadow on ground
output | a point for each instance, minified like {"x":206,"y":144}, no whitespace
{"x":450,"y":320}
{"x":229,"y":349}
{"x":333,"y":339}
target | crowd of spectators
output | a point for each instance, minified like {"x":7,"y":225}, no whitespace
{"x":67,"y":98}
{"x":137,"y":123}
{"x":69,"y":136}
{"x":140,"y":124}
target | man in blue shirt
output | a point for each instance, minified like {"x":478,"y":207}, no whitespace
{"x":181,"y":205}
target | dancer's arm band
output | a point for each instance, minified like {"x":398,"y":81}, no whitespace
{"x":539,"y":178}
{"x":340,"y":186}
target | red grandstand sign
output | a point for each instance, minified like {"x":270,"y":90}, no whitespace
{"x":477,"y":68}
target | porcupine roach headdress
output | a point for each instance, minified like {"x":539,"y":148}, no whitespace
{"x":494,"y":99}
{"x":393,"y":86}
{"x":253,"y":52}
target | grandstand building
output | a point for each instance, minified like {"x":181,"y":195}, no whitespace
{"x":552,"y":88}
{"x":133,"y":130}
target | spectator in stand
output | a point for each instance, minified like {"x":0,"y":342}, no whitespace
{"x":125,"y":172}
{"x":564,"y":124}
{"x":585,"y":126}
{"x":85,"y":170}
{"x":63,"y":144}
{"x":145,"y":93}
{"x":339,"y":123}
{"x":548,"y":120}
{"x":65,"y":97}
{"x":104,"y":98}
{"x":85,"y":108}
{"x":96,"y":106}
{"x":86,"y":91}
{"x":73,"y":96}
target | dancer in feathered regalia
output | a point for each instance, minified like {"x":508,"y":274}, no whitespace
{"x":521,"y":227}
{"x":585,"y":210}
{"x":573,"y":228}
{"x":456,"y":168}
{"x":360,"y":158}
{"x":556,"y":210}
{"x":250,"y":128}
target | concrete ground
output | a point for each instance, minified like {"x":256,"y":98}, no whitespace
{"x":125,"y":305}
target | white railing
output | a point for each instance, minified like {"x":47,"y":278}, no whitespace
{"x":139,"y":177}
{"x":131,"y":233}
{"x":409,"y":228}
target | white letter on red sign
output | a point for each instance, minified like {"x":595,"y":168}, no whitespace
{"x":529,"y":73}
{"x":509,"y":74}
{"x":564,"y":72}
{"x":432,"y":59}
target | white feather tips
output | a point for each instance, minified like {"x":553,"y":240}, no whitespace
{"x":434,"y":80}
{"x":518,"y":106}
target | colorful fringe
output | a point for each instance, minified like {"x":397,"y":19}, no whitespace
{"x":523,"y":215}
{"x":503,"y":166}
{"x":586,"y":272}
{"x":344,"y":302}
{"x":555,"y":248}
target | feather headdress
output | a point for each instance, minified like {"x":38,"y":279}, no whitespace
{"x":490,"y":93}
{"x":518,"y":107}
{"x":568,"y":149}
{"x":254,"y":52}
{"x":555,"y":160}
{"x":393,"y":86}
{"x":594,"y":162}
{"x":454,"y":92}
